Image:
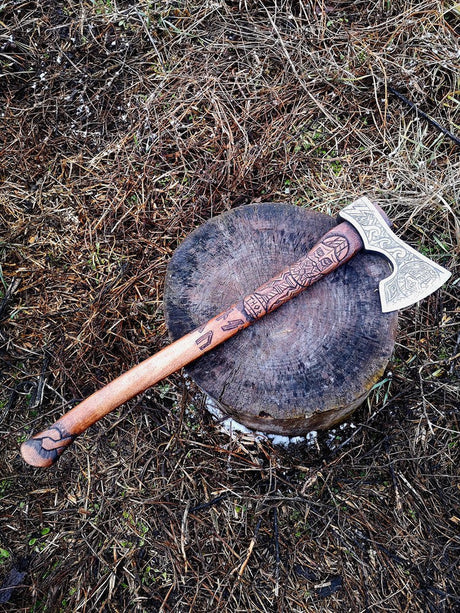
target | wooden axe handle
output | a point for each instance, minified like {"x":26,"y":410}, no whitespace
{"x":335,"y":248}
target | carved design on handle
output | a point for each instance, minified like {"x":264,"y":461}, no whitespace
{"x":414,"y":276}
{"x":205,"y":340}
{"x":221,"y":327}
{"x":231,"y":324}
{"x":45,"y":448}
{"x":329,"y":253}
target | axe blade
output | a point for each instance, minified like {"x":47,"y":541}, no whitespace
{"x":414,"y":276}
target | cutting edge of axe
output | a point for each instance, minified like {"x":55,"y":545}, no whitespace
{"x":365,"y":225}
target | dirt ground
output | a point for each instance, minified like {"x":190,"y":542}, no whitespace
{"x":125,"y":125}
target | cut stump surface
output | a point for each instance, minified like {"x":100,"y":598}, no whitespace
{"x":307,"y":365}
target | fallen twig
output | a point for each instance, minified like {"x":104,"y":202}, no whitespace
{"x":429,"y":119}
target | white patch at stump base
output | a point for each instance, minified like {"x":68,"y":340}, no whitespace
{"x":233,"y":428}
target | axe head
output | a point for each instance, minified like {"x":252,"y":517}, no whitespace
{"x":414,"y":276}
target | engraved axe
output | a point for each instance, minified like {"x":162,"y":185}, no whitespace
{"x":365,"y":226}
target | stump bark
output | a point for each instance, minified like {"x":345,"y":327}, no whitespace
{"x":309,"y":364}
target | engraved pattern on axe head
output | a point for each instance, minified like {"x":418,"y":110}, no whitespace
{"x":414,"y":276}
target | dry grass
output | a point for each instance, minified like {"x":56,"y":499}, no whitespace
{"x":124,"y":126}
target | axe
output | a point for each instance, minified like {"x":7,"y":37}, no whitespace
{"x":364,"y":225}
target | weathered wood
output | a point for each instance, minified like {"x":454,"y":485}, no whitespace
{"x":307,"y":365}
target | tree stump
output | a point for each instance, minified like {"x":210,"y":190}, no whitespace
{"x":309,"y":364}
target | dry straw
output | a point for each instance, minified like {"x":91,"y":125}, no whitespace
{"x":124,"y":126}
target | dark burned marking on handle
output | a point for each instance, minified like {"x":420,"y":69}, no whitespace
{"x":225,"y":315}
{"x":327,"y":254}
{"x":50,"y":444}
{"x":231,"y":324}
{"x":205,"y":340}
{"x":235,"y":323}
